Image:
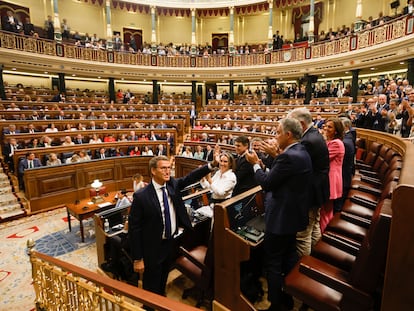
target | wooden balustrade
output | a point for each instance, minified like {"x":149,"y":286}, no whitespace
{"x":390,"y":31}
{"x":60,"y":285}
{"x":52,"y":186}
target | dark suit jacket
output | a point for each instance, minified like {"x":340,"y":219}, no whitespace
{"x":146,"y":222}
{"x":24,"y":164}
{"x":7,"y":151}
{"x":288,"y":189}
{"x":348,"y":164}
{"x":318,"y":151}
{"x":209,"y":156}
{"x":245,"y":176}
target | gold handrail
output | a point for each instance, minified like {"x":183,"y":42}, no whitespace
{"x":63,"y":286}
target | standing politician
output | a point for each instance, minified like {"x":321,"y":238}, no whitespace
{"x":156,"y":213}
{"x":287,"y":187}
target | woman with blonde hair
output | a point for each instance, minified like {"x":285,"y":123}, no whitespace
{"x":224,"y":180}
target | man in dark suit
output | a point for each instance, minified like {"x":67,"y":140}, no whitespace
{"x":156,"y":213}
{"x":28,"y":27}
{"x":348,"y":164}
{"x":9,"y":22}
{"x":208,"y":153}
{"x":287,"y":189}
{"x":28,"y":163}
{"x":409,"y":9}
{"x":316,"y":146}
{"x":8,"y":152}
{"x":161,"y":150}
{"x":244,"y":170}
{"x":170,"y":143}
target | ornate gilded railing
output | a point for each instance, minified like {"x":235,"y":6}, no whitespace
{"x":392,"y":30}
{"x":60,"y":286}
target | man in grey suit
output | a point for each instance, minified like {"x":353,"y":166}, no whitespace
{"x":287,"y":187}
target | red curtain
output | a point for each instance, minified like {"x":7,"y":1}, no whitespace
{"x":299,"y":12}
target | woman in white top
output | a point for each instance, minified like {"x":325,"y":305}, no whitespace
{"x":138,"y":181}
{"x":187,"y":152}
{"x":68,"y":141}
{"x":84,"y":156}
{"x":147,"y":151}
{"x":51,"y":128}
{"x":95,"y":139}
{"x":224,"y":180}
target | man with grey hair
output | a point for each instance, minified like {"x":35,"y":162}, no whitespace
{"x":318,"y":151}
{"x":287,"y":186}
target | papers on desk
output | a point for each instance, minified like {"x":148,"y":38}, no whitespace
{"x":104,"y":204}
{"x":205,"y":211}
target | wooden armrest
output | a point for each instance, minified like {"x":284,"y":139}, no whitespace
{"x":336,"y":284}
{"x":360,"y":221}
{"x":187,"y":255}
{"x":342,"y":238}
{"x":363,"y":202}
{"x":371,"y":174}
{"x":370,"y":190}
{"x":373,"y":181}
{"x":363,"y":166}
{"x":340,"y":244}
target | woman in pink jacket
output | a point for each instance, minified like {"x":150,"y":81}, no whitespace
{"x":334,"y":132}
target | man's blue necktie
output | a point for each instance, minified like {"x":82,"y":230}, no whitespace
{"x":167,"y":217}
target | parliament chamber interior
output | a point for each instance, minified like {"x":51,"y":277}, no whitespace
{"x":91,"y":91}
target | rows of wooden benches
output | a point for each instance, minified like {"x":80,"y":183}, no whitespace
{"x":22,"y":126}
{"x":258,"y":116}
{"x":112,"y":149}
{"x":281,"y":101}
{"x":26,"y":140}
{"x":79,"y":105}
{"x":346,"y":266}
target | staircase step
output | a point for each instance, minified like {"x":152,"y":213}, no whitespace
{"x":7,"y":199}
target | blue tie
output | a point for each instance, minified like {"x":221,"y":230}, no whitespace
{"x":166,"y":214}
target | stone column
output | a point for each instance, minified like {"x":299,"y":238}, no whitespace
{"x":311,"y":31}
{"x":109,"y":43}
{"x":193,"y":49}
{"x":153,"y":32}
{"x":269,"y":91}
{"x":231,"y":34}
{"x":308,"y":90}
{"x":231,"y":89}
{"x":359,"y":23}
{"x":62,"y":83}
{"x":410,"y":72}
{"x":111,"y":90}
{"x":2,"y":90}
{"x":56,"y":21}
{"x":355,"y":87}
{"x":154,"y":92}
{"x":193,"y":92}
{"x":270,"y":30}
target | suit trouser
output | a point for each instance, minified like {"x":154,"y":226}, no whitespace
{"x":280,"y":258}
{"x":156,"y":272}
{"x":307,"y":238}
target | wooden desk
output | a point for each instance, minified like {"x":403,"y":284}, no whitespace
{"x":84,"y":210}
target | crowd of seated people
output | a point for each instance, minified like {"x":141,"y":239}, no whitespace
{"x":11,"y":22}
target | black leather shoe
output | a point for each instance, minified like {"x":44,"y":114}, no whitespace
{"x":274,"y":308}
{"x":287,"y":301}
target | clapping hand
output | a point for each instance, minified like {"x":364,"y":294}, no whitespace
{"x":271,"y":148}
